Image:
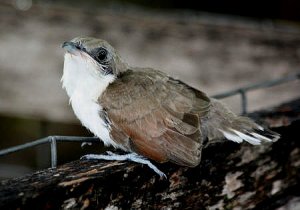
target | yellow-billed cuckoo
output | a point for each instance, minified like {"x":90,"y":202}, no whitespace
{"x":144,"y":111}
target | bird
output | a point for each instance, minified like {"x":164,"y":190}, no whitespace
{"x":145,"y":112}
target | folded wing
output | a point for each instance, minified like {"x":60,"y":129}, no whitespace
{"x":156,"y":116}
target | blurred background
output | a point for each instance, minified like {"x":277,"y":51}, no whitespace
{"x":214,"y":45}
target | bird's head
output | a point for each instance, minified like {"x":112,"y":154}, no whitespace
{"x":89,"y":63}
{"x":96,"y":51}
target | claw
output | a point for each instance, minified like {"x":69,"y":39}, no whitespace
{"x":131,"y":157}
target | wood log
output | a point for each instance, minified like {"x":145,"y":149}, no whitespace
{"x":230,"y":176}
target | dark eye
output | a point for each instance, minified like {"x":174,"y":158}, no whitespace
{"x":101,"y":54}
{"x":78,"y":46}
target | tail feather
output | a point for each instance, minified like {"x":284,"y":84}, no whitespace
{"x":254,"y":137}
{"x":221,"y":123}
{"x":266,"y":135}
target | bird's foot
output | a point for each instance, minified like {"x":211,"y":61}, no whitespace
{"x":131,"y":157}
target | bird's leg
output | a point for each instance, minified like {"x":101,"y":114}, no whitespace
{"x":131,"y":157}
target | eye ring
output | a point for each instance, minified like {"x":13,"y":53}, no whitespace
{"x":101,"y":54}
{"x":78,"y":45}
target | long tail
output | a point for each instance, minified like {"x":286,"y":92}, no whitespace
{"x":221,"y":122}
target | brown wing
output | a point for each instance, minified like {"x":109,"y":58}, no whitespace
{"x":156,"y":116}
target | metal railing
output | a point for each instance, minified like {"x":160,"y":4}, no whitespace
{"x":53,"y":146}
{"x":54,"y":139}
{"x":243,"y":90}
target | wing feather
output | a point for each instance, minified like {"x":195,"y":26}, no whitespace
{"x":156,"y":116}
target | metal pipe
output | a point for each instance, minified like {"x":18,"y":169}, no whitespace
{"x":265,"y":84}
{"x":53,"y":150}
{"x":243,"y":101}
{"x":23,"y":146}
{"x":46,"y":140}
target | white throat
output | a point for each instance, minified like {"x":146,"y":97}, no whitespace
{"x":84,"y":85}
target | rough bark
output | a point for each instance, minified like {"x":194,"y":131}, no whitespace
{"x":230,"y":176}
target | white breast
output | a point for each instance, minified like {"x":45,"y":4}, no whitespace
{"x":87,"y":111}
{"x":84,"y":85}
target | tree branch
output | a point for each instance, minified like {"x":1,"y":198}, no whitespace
{"x":230,"y":175}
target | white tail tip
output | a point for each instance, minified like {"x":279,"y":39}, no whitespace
{"x":254,"y":137}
